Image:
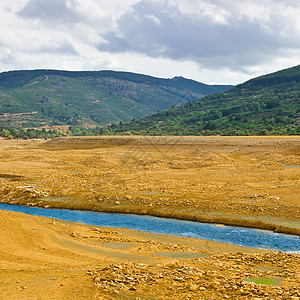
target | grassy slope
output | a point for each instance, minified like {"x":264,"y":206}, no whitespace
{"x":268,"y":104}
{"x":91,"y":97}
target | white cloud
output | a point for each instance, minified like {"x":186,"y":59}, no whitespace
{"x":215,"y":13}
{"x":66,"y":12}
{"x":153,"y":18}
{"x":208,"y":40}
{"x":213,"y":33}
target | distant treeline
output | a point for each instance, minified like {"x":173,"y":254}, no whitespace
{"x":31,"y":133}
{"x":12,"y":133}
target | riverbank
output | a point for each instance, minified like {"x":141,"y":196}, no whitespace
{"x":42,"y":258}
{"x":241,"y":236}
{"x":240,"y":181}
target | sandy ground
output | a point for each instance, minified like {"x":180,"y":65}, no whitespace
{"x":42,"y":258}
{"x":249,"y":181}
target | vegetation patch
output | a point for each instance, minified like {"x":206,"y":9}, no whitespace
{"x":265,"y":281}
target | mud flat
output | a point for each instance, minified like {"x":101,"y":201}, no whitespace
{"x":245,"y":181}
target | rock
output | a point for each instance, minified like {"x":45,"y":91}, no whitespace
{"x":193,"y":287}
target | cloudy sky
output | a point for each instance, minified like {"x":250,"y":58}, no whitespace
{"x":212,"y":41}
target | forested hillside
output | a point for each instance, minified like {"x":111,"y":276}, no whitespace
{"x":268,"y":104}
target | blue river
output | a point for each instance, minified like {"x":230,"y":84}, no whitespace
{"x":246,"y":237}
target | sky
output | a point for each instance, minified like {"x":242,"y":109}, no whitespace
{"x":211,"y":41}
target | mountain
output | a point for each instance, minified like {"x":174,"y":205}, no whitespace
{"x":51,"y":97}
{"x":268,"y":104}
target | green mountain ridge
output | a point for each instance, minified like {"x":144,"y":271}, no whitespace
{"x":268,"y":104}
{"x":50,"y":97}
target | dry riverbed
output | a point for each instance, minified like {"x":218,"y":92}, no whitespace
{"x":247,"y":181}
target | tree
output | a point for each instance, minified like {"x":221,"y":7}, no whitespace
{"x":211,"y":125}
{"x":5,"y":133}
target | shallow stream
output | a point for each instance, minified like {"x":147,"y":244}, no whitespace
{"x":246,"y":237}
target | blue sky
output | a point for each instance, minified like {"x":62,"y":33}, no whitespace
{"x":215,"y":41}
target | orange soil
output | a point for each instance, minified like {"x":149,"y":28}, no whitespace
{"x":247,"y":181}
{"x":251,"y":181}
